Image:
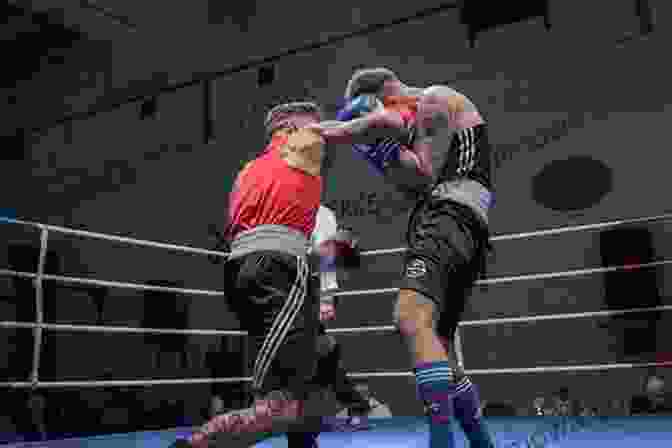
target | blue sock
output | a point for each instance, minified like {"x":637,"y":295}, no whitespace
{"x":468,"y":414}
{"x":436,"y":388}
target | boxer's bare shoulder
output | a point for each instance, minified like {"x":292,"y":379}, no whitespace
{"x":442,"y":99}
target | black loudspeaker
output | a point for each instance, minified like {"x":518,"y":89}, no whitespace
{"x":631,"y":288}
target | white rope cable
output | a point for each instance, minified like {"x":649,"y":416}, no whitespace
{"x":9,"y":272}
{"x":113,"y":284}
{"x":39,"y":325}
{"x":545,"y":232}
{"x":571,"y":273}
{"x":122,"y":383}
{"x":364,"y":329}
{"x":119,"y":239}
{"x":39,"y":306}
{"x":568,"y":316}
{"x":506,"y":237}
{"x":366,"y":292}
{"x":543,"y":369}
{"x":120,"y":329}
{"x":509,"y":320}
{"x":515,"y":278}
{"x":523,"y":370}
{"x":367,"y":329}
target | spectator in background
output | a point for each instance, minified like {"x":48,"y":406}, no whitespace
{"x":582,"y":409}
{"x":562,"y":403}
{"x":376,"y":409}
{"x":498,"y":410}
{"x":654,"y":400}
{"x":617,"y":407}
{"x":540,"y":407}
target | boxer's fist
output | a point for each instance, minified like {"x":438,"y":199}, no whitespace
{"x":340,"y":251}
{"x":327,"y":311}
{"x":358,"y":107}
{"x":304,"y":150}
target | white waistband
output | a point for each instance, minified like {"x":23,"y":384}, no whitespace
{"x":270,"y":237}
{"x":467,"y":192}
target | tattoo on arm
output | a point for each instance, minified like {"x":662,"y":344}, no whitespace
{"x":439,"y":106}
{"x":367,"y":129}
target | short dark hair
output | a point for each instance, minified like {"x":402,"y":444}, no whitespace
{"x":277,"y":116}
{"x":368,"y":81}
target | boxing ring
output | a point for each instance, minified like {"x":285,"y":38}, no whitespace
{"x":399,"y":432}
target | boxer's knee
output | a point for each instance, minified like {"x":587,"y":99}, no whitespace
{"x":414,"y":313}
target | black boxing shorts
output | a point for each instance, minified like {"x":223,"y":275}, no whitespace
{"x":274,"y":297}
{"x":447,"y":249}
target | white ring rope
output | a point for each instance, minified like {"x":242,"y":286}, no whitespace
{"x":507,"y":237}
{"x":113,"y":284}
{"x":544,"y":369}
{"x":515,"y":278}
{"x":343,"y":293}
{"x":523,"y":370}
{"x":204,"y":292}
{"x":120,"y":329}
{"x":511,"y":320}
{"x":123,"y":383}
{"x":546,"y":232}
{"x":365,"y":329}
{"x":39,"y":325}
{"x":119,"y":239}
{"x":571,"y":273}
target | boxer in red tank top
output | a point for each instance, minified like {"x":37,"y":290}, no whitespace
{"x":272,"y":213}
{"x":269,"y":191}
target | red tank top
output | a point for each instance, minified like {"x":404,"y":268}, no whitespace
{"x":268,"y":191}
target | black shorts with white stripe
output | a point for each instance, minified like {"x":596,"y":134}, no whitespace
{"x":469,"y":156}
{"x":447,"y":246}
{"x":274,"y":297}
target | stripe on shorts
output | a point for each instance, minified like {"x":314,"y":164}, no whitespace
{"x":283,"y":323}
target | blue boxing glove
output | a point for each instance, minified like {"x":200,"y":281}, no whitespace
{"x":358,"y":107}
{"x":378,"y":154}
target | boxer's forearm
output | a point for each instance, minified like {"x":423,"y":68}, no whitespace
{"x":367,"y":129}
{"x":409,"y":160}
{"x":420,"y":156}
